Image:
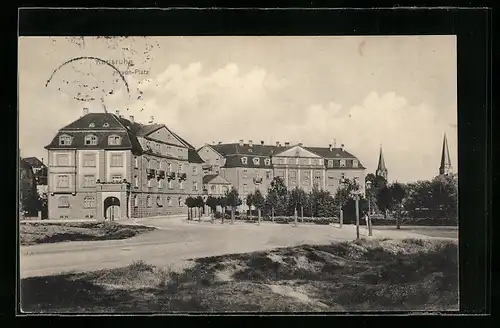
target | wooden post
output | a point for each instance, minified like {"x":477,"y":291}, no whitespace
{"x":302,"y":213}
{"x":272,"y":214}
{"x":258,"y":213}
{"x":357,"y":217}
{"x":232,"y":214}
{"x":295,"y":216}
{"x":341,"y":217}
{"x":199,"y":214}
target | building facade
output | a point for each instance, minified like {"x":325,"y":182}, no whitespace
{"x":248,"y":166}
{"x":104,"y":166}
{"x":214,"y":185}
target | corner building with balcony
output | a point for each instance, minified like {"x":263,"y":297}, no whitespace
{"x":249,"y":166}
{"x":103,"y":166}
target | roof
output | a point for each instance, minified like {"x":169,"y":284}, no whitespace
{"x":95,"y":123}
{"x":210,"y":177}
{"x":34,"y":162}
{"x":255,"y":149}
{"x":193,"y":157}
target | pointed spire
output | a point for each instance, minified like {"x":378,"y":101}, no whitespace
{"x":445,"y":167}
{"x":381,"y":169}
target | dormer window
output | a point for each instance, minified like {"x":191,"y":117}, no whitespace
{"x":330,"y":163}
{"x":249,"y":150}
{"x":256,"y":161}
{"x":342,"y":163}
{"x":114,"y":140}
{"x":90,"y":140}
{"x":91,"y":125}
{"x":105,"y":125}
{"x":244,"y":160}
{"x":65,"y":140}
{"x":355,"y":163}
{"x":267,"y":161}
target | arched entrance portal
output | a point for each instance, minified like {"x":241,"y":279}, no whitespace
{"x":111,"y":208}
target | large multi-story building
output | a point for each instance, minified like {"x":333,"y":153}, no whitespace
{"x":106,"y":166}
{"x":249,"y":166}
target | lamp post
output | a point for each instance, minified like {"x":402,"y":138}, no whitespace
{"x":369,"y":221}
{"x":341,"y":213}
{"x":356,"y":192}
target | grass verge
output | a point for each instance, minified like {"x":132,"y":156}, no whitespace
{"x":366,"y":275}
{"x":31,"y":233}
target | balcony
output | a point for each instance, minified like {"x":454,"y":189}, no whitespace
{"x":160,"y":174}
{"x":151,"y":173}
{"x":257,"y":180}
{"x":171,"y":176}
{"x":182,"y":176}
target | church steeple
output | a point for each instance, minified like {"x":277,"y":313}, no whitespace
{"x":445,"y":167}
{"x":381,"y":169}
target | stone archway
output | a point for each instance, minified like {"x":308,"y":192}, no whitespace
{"x":111,"y":208}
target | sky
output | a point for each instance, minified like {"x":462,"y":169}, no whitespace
{"x":366,"y":91}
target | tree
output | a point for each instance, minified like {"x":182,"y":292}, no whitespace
{"x":384,"y":200}
{"x":212,"y":203}
{"x":342,"y":196}
{"x":444,"y":190}
{"x":28,"y":195}
{"x":278,"y":196}
{"x":233,"y":200}
{"x":297,"y":198}
{"x":249,"y":201}
{"x":200,"y":204}
{"x":190,"y":203}
{"x":259,"y":202}
{"x":271,"y":202}
{"x":398,"y":193}
{"x":222,"y":200}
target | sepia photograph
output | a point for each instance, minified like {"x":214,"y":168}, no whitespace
{"x":236,"y":174}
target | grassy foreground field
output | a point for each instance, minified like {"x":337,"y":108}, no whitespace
{"x":31,"y":233}
{"x":367,"y":275}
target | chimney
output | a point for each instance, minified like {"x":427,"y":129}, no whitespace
{"x":277,"y":143}
{"x":220,"y":142}
{"x":241,"y":142}
{"x":151,"y":120}
{"x":300,"y":144}
{"x":132,"y":118}
{"x":342,"y":147}
{"x":330,"y":147}
{"x":287,"y":143}
{"x":262,"y":142}
{"x":42,"y":160}
{"x":85,"y":111}
{"x":117,"y":112}
{"x":250,"y":143}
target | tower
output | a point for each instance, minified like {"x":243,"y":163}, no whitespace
{"x":381,"y":169}
{"x":445,"y":167}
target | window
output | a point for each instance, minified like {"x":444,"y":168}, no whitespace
{"x":169,"y":167}
{"x":306,"y":176}
{"x":331,"y":180}
{"x":181,"y":184}
{"x":180,"y":201}
{"x":245,"y":174}
{"x":293,"y":174}
{"x":169,"y":150}
{"x":89,"y":202}
{"x":158,"y":202}
{"x":157,"y":147}
{"x":88,"y":180}
{"x":317,"y":175}
{"x":355,"y":163}
{"x":342,"y":163}
{"x":114,"y":140}
{"x":160,"y":184}
{"x":90,"y":140}
{"x":282,"y":161}
{"x":195,"y":186}
{"x":256,"y":161}
{"x":342,"y":175}
{"x":152,"y":164}
{"x":267,"y":161}
{"x":136,"y":181}
{"x":315,"y":162}
{"x":171,"y":184}
{"x":244,"y":160}
{"x":62,"y":181}
{"x":116,"y":178}
{"x":330,"y":163}
{"x":89,"y":160}
{"x":291,"y":161}
{"x":62,"y":159}
{"x":195,"y":169}
{"x":148,"y":201}
{"x":150,"y":183}
{"x":169,"y":201}
{"x":117,"y":160}
{"x":212,"y":188}
{"x":245,"y":187}
{"x":136,"y":201}
{"x":106,"y":125}
{"x":91,"y":125}
{"x":136,"y":162}
{"x":65,"y":140}
{"x":180,"y":168}
{"x":63,"y":201}
{"x":268,"y":175}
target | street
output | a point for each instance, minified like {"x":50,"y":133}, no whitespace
{"x":177,"y":241}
